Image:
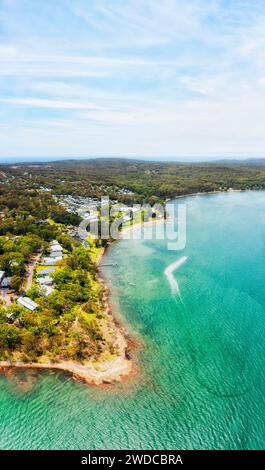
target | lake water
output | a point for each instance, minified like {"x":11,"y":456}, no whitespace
{"x":202,"y":370}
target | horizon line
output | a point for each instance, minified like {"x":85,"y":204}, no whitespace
{"x":150,"y":159}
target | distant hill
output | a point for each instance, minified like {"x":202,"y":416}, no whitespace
{"x":102,"y":161}
{"x":245,"y":162}
{"x":136,"y":181}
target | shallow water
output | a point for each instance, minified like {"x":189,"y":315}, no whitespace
{"x":202,"y":377}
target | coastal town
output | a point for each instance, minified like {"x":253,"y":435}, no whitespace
{"x":54,"y":309}
{"x":132,"y":232}
{"x":42,"y":265}
{"x":39,"y":273}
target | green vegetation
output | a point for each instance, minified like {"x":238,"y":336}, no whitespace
{"x":132,"y":181}
{"x":69,"y":323}
{"x":66,"y":324}
{"x":15,"y":253}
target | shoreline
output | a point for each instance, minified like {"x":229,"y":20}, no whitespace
{"x":127,"y":344}
{"x":206,"y":193}
{"x":121,"y":366}
{"x":124,"y":364}
{"x":107,"y":372}
{"x":128,"y":365}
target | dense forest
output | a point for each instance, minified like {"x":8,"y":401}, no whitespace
{"x":144,"y":181}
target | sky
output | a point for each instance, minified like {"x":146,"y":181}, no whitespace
{"x":168,"y":79}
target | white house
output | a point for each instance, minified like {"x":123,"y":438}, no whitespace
{"x":56,"y":254}
{"x":27,"y":303}
{"x":47,"y":280}
{"x":43,"y":272}
{"x":56,"y":247}
{"x":6,"y":282}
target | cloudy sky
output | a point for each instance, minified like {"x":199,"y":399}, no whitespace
{"x":152,"y":78}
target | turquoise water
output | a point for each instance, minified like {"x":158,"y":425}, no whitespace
{"x":202,"y":380}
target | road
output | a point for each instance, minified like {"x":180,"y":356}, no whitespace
{"x":30,"y":270}
{"x":9,"y":297}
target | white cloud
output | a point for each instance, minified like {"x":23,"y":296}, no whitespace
{"x":44,"y":103}
{"x":135,"y":77}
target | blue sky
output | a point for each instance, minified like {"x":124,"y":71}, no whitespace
{"x":150,"y":78}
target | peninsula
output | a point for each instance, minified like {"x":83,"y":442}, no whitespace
{"x":54,"y":310}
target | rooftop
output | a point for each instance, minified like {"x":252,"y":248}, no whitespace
{"x":27,"y":303}
{"x":45,"y":280}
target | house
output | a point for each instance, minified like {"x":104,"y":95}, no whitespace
{"x":54,"y":243}
{"x":27,"y":303}
{"x":6,"y":282}
{"x":43,"y":272}
{"x":56,"y":254}
{"x":47,"y":280}
{"x":56,"y":247}
{"x":2,"y":275}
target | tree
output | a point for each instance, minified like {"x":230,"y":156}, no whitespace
{"x":2,"y":315}
{"x":15,"y":282}
{"x":15,"y":310}
{"x":34,"y":292}
{"x":65,"y":241}
{"x":79,"y":259}
{"x":9,"y":337}
{"x":12,"y":263}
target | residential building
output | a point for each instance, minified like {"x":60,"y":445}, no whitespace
{"x":27,"y":303}
{"x":47,"y":280}
{"x":6,"y":282}
{"x":56,"y":254}
{"x":43,"y":272}
{"x":56,"y":247}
